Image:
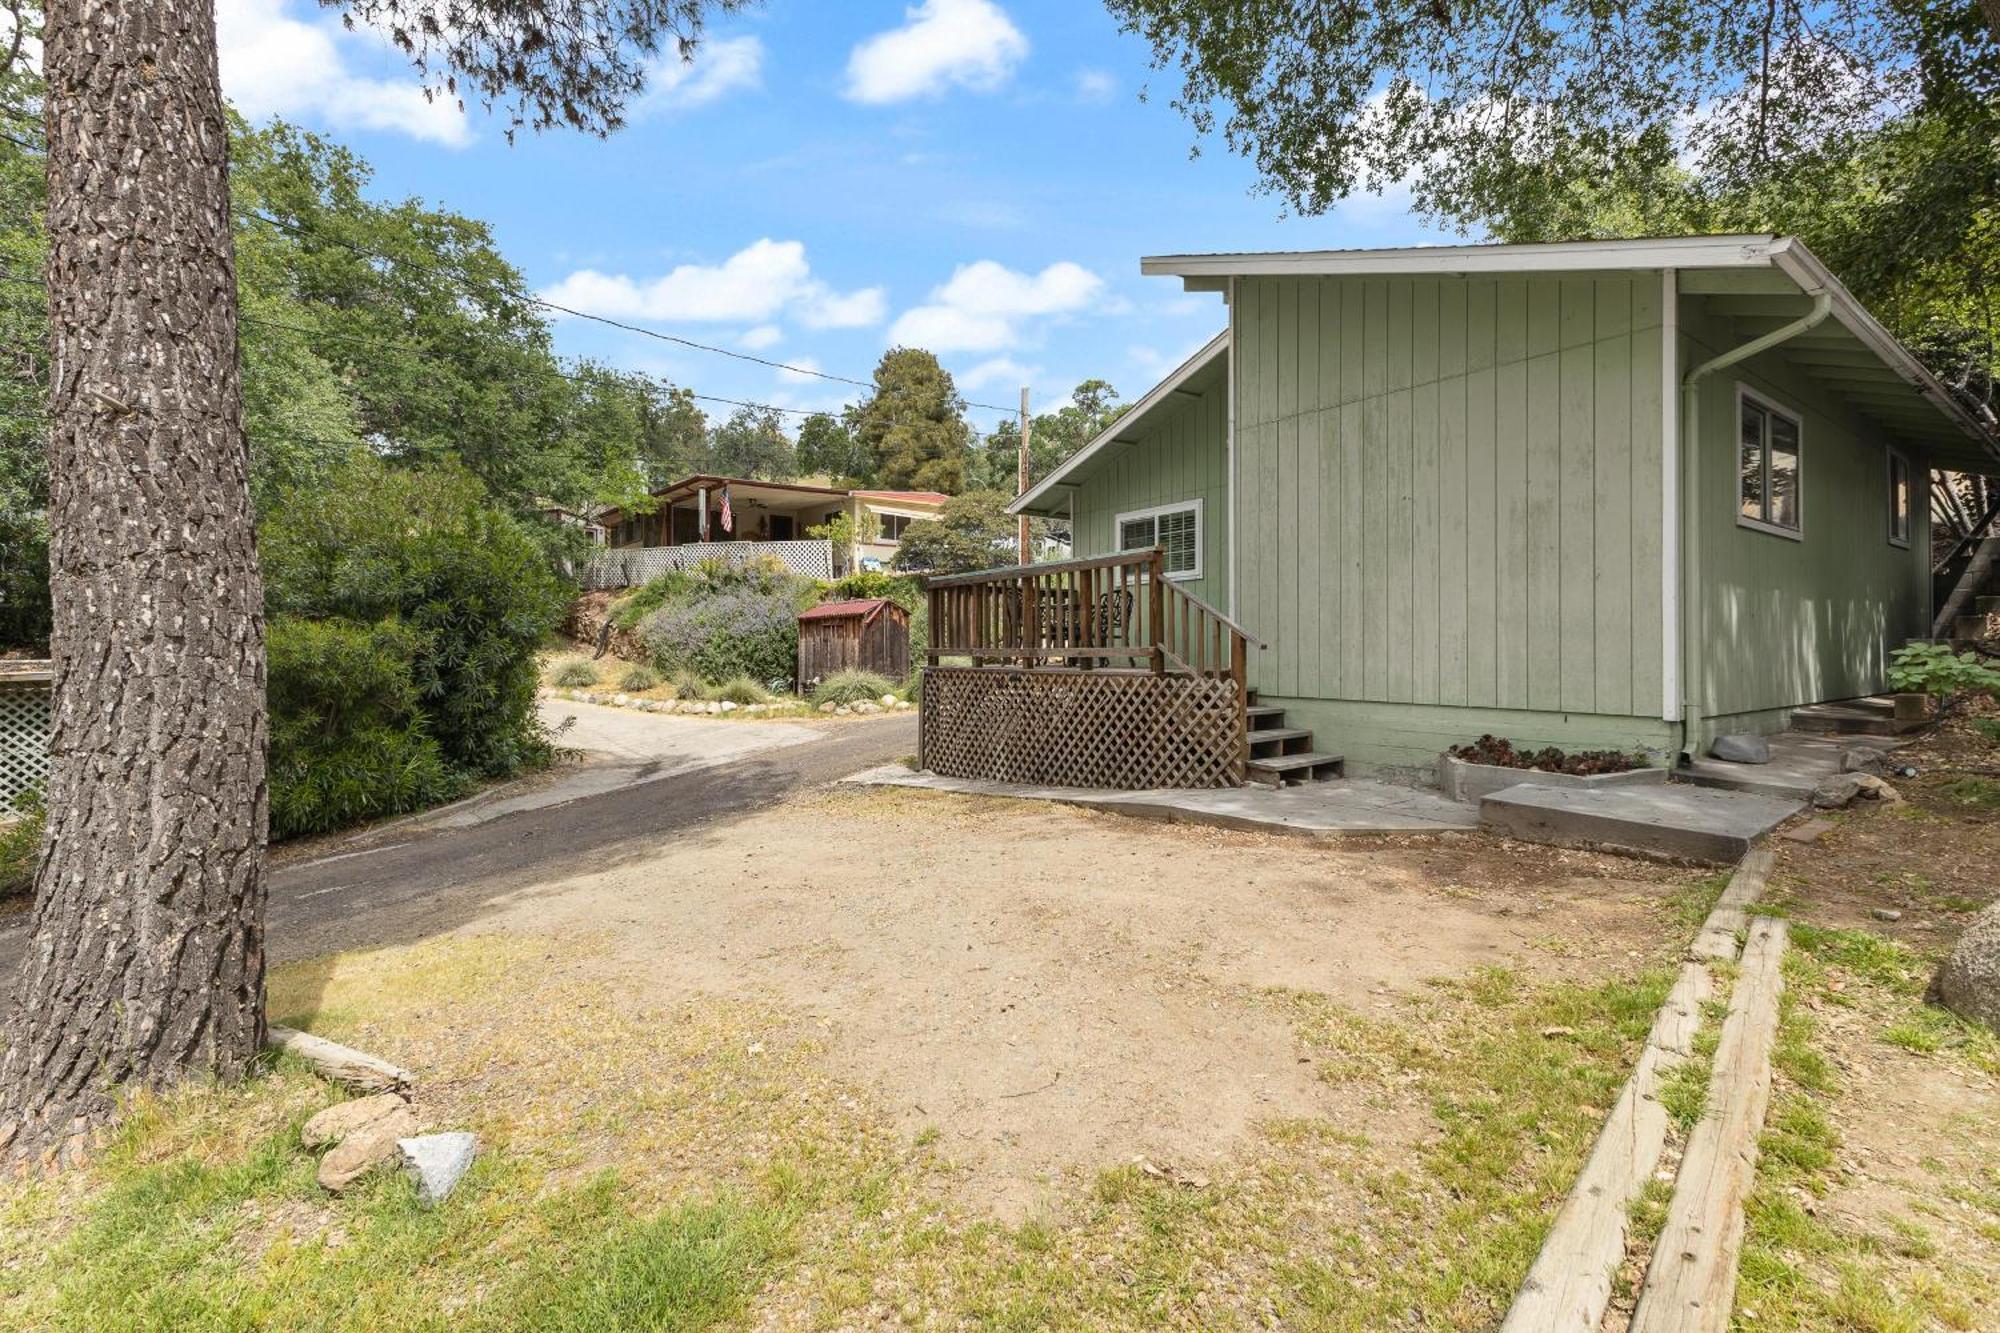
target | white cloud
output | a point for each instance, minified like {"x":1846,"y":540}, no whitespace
{"x":800,"y":371}
{"x":274,"y":65}
{"x":1003,"y":370}
{"x":718,"y":69}
{"x":980,"y":309}
{"x":761,"y":337}
{"x":1095,"y":85}
{"x":753,"y":286}
{"x":968,"y":43}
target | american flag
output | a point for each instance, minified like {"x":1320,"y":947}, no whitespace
{"x":728,"y":519}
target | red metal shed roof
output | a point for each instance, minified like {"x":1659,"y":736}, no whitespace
{"x":867,"y":606}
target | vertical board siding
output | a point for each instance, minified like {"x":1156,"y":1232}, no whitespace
{"x":1447,"y":492}
{"x":1793,"y":622}
{"x":1180,"y":454}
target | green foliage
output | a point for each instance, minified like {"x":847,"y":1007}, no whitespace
{"x":972,"y":531}
{"x":844,"y":532}
{"x":827,"y":448}
{"x":638,"y":677}
{"x":348,"y":737}
{"x":1987,"y":727}
{"x":867,"y":584}
{"x":576,"y":673}
{"x":1933,"y":668}
{"x":752,"y":443}
{"x":1053,"y":436}
{"x":427,"y":548}
{"x":913,"y":425}
{"x":21,"y":845}
{"x":852,"y":687}
{"x":740,"y":690}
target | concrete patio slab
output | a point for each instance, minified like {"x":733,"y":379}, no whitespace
{"x":1799,"y":762}
{"x":1348,"y":806}
{"x":1682,"y":822}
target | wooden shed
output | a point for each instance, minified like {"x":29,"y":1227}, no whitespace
{"x":872,"y":634}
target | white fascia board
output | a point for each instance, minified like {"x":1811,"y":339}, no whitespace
{"x":1159,"y":393}
{"x":1752,"y":251}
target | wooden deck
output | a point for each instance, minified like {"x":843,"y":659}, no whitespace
{"x":1083,"y":673}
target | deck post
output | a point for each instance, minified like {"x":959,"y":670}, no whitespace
{"x":1239,"y":671}
{"x":1156,"y":613}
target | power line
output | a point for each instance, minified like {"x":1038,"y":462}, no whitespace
{"x":364,"y":340}
{"x":527,"y":298}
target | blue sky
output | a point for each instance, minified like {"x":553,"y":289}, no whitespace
{"x":975,"y":176}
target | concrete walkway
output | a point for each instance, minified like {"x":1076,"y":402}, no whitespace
{"x":1315,"y":809}
{"x":1800,"y":761}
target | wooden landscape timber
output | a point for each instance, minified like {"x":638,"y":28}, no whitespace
{"x":1569,"y":1286}
{"x":342,"y":1064}
{"x":1691,"y":1283}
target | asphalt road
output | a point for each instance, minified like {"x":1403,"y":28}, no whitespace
{"x":406,"y":882}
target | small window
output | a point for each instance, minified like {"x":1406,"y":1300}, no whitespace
{"x":1177,"y":527}
{"x":1767,"y":472}
{"x":1899,"y":499}
{"x":893,"y":525}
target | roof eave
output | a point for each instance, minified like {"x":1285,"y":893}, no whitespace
{"x":1028,"y":501}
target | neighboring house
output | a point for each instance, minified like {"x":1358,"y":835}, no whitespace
{"x":706,"y":517}
{"x":1617,"y":494}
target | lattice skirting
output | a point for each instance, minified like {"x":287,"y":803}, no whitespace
{"x":24,"y":740}
{"x":631,"y":566}
{"x":1116,"y":730}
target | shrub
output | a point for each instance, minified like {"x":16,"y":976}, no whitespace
{"x":904,"y":590}
{"x":739,"y":633}
{"x":431,"y":550}
{"x":1933,"y":668}
{"x":852,"y":687}
{"x":638,"y":677}
{"x":741,"y":690}
{"x":689,"y":685}
{"x":21,"y":845}
{"x":575,"y":673}
{"x":348,"y":738}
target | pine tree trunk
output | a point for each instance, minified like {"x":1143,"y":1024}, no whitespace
{"x":146,"y":963}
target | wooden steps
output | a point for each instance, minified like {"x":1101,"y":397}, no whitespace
{"x":1852,"y":717}
{"x":1283,"y":756}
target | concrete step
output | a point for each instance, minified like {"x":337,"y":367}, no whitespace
{"x":1874,"y":716}
{"x":1679,"y":822}
{"x":1271,"y":742}
{"x":1290,"y":769}
{"x":1799,"y":763}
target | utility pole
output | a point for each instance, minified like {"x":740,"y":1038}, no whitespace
{"x":1021,"y":481}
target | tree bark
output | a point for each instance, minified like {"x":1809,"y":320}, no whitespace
{"x":146,"y":963}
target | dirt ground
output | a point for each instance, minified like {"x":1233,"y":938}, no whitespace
{"x":1879,"y":1203}
{"x":1055,"y":989}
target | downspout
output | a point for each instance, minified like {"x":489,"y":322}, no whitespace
{"x":1693,"y":674}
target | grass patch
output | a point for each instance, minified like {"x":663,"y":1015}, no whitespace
{"x":1980,"y":793}
{"x":576,"y":673}
{"x":1684,"y":1091}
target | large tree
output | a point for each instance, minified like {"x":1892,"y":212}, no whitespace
{"x":1053,"y":437}
{"x":752,"y":443}
{"x":913,"y":424}
{"x":146,"y":958}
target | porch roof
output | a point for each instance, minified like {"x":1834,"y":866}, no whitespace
{"x":744,"y":492}
{"x":1760,"y":282}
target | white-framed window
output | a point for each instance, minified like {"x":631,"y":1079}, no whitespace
{"x":1177,"y":527}
{"x":893,"y":525}
{"x":1769,"y":466}
{"x":1900,"y":498}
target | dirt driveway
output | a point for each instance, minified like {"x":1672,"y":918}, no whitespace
{"x":1057,"y":990}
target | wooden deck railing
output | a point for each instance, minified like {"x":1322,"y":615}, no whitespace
{"x":1115,"y":611}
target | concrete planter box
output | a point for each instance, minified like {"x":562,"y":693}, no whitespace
{"x":1463,"y":780}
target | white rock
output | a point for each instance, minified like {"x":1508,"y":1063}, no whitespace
{"x":827,"y":707}
{"x":888,"y":701}
{"x":620,"y":700}
{"x":438,"y":1161}
{"x":843,"y":710}
{"x":728,"y":706}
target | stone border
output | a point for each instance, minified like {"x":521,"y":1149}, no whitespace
{"x":1467,"y":782}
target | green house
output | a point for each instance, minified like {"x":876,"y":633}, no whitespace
{"x":1619,"y":494}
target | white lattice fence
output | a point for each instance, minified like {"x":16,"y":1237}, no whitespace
{"x":628,"y":567}
{"x":24,"y":738}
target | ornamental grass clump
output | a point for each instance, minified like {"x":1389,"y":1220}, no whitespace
{"x":741,"y":690}
{"x":852,"y":687}
{"x":639,"y":677}
{"x":576,"y":673}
